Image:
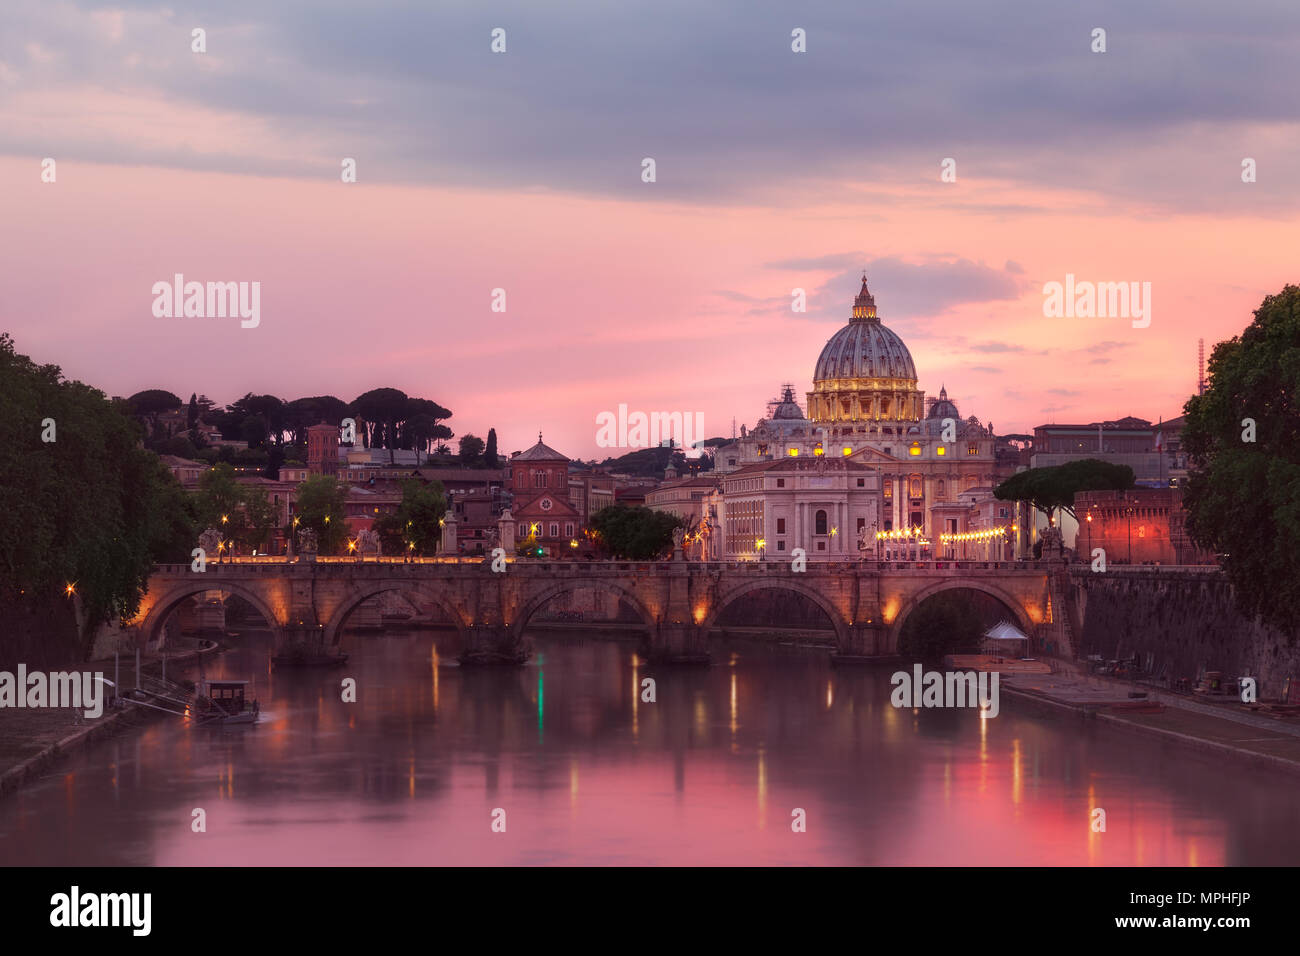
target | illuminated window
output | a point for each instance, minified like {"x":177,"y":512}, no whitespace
{"x":847,"y":451}
{"x":794,"y":452}
{"x":916,"y":487}
{"x":889,"y":489}
{"x":972,"y":449}
{"x":914,"y":450}
{"x":941,"y":450}
{"x":819,"y":451}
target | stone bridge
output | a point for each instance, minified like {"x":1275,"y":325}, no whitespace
{"x":678,"y":602}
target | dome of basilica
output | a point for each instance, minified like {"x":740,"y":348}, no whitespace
{"x":865,"y":348}
{"x":865,"y":373}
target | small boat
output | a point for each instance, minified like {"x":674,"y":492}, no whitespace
{"x":223,"y":702}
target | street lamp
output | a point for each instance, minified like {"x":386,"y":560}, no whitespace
{"x":1089,"y":518}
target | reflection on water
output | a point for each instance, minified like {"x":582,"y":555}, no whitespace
{"x":587,"y":772}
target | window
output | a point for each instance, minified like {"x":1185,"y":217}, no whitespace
{"x":889,"y":524}
{"x":523,"y":530}
{"x":915,"y":486}
{"x":555,"y":529}
{"x":780,"y":546}
{"x":915,"y":450}
{"x":889,"y":489}
{"x":568,"y":529}
{"x":731,"y":461}
{"x":862,"y":525}
{"x":972,"y":449}
{"x":941,"y":450}
{"x":939,"y":488}
{"x":780,"y":526}
{"x":820,"y":520}
{"x":821,"y":545}
{"x":780,"y":482}
{"x":539,"y":479}
{"x":862,"y":482}
{"x":916,"y":519}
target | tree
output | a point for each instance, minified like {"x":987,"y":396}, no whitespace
{"x":219,"y":503}
{"x":471,"y":449}
{"x":192,"y":413}
{"x":1054,"y":487}
{"x":146,"y":406}
{"x":418,"y":519}
{"x":260,"y":516}
{"x":88,"y":507}
{"x":636,"y":533}
{"x":490,"y":451}
{"x":423,"y":425}
{"x":1242,"y":438}
{"x":302,"y":413}
{"x":322,"y":506}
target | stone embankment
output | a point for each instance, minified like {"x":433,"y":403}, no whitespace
{"x":31,"y":741}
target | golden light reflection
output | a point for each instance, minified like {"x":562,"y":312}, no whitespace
{"x":701,"y":715}
{"x":1017,"y":779}
{"x":830,"y":695}
{"x":762,"y":788}
{"x":636,"y":693}
{"x":1094,"y":838}
{"x":434,"y":658}
{"x":573,"y":784}
{"x":410,"y":777}
{"x":734,"y":722}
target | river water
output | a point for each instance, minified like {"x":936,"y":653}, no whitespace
{"x":586,"y":773}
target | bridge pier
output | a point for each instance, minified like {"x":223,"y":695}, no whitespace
{"x":862,"y":643}
{"x":678,"y":644}
{"x":494,"y":644}
{"x":301,"y":638}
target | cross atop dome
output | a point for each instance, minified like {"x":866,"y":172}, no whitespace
{"x":864,"y":306}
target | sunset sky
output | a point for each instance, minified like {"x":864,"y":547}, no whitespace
{"x":522,"y":170}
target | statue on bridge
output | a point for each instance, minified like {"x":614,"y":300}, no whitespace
{"x":866,"y":540}
{"x":679,"y":534}
{"x":210,"y":541}
{"x":307,"y":543}
{"x":368,"y":543}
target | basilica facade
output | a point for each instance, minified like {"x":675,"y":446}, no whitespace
{"x":868,"y":431}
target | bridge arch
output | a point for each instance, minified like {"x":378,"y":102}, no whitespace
{"x":334,"y":629}
{"x":171,"y":600}
{"x":1008,"y":600}
{"x":729,"y":597}
{"x":540,"y":599}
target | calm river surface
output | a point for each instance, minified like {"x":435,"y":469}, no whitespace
{"x":588,"y":774}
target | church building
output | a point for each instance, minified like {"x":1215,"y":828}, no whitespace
{"x":928,"y":466}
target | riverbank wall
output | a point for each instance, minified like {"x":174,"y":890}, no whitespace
{"x":1180,"y":622}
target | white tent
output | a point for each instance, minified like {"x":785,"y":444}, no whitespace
{"x":997,"y":636}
